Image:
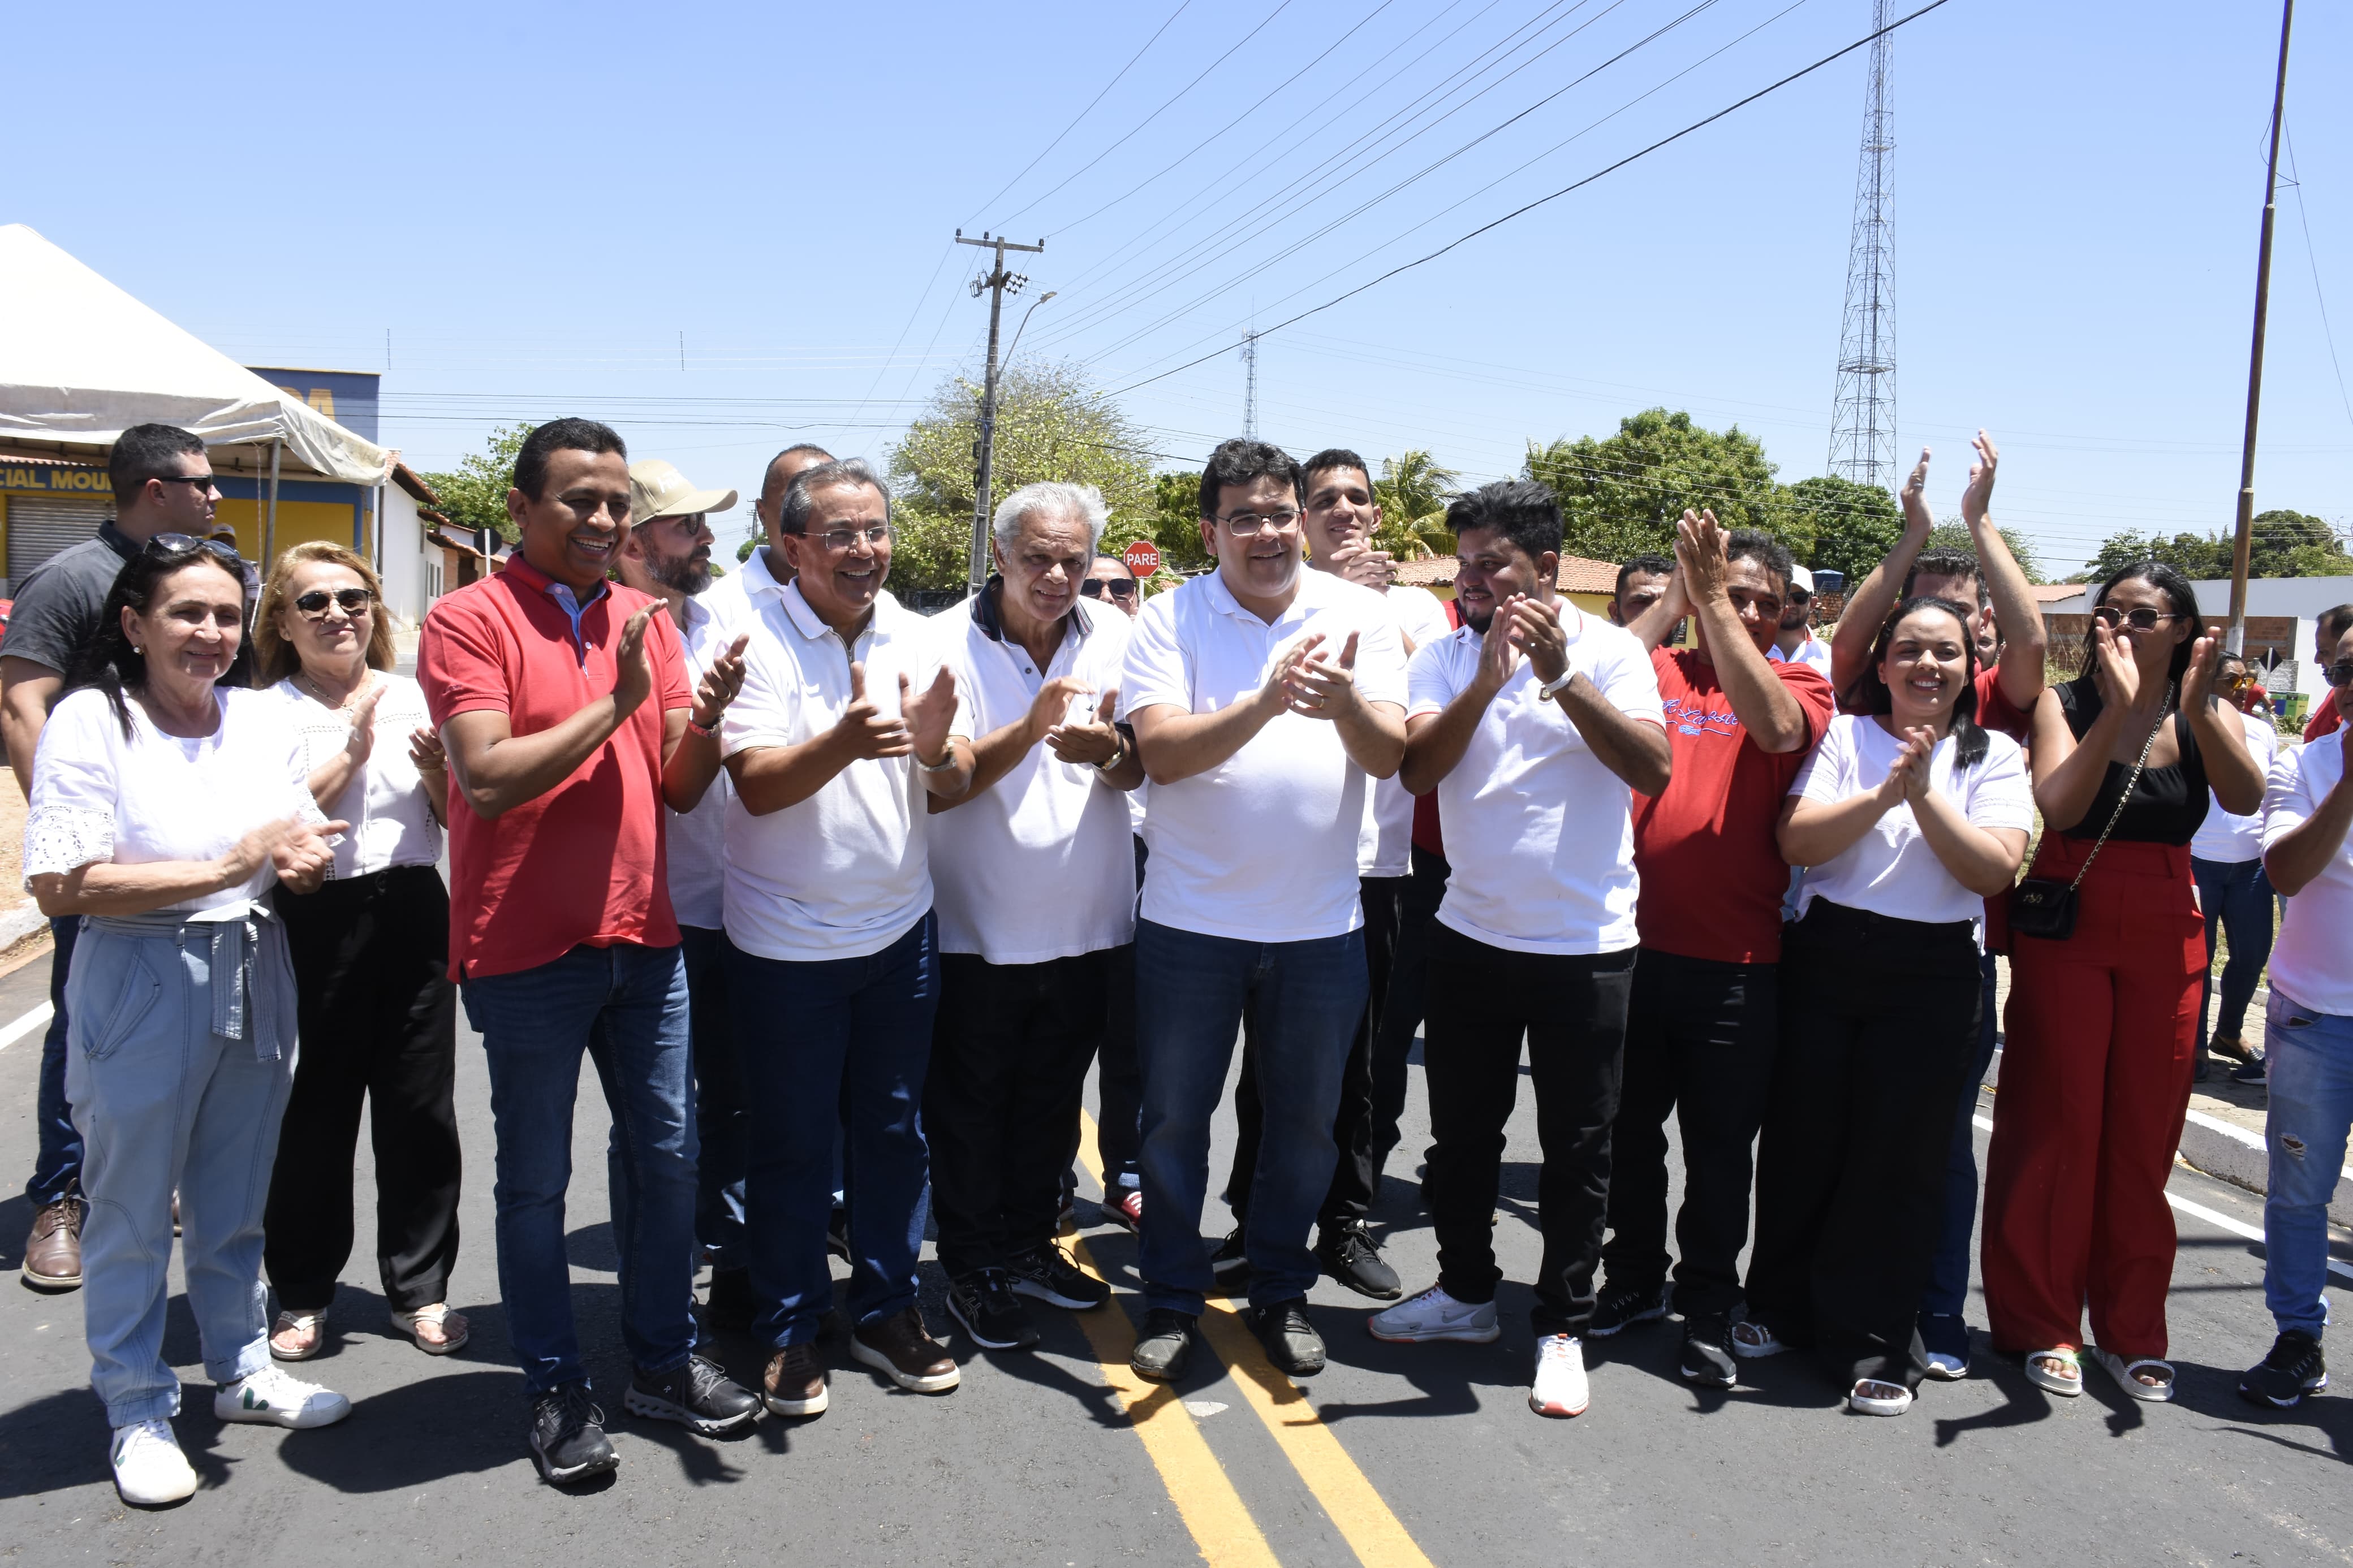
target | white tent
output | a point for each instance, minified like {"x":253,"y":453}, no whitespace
{"x":81,"y":361}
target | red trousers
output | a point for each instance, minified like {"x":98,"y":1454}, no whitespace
{"x":2095,"y":1072}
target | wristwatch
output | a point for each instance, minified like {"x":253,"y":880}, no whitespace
{"x":1118,"y":755}
{"x":1557,"y":682}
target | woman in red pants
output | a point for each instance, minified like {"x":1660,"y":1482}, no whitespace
{"x":2102,"y":1024}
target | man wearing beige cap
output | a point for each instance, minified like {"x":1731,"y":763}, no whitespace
{"x":667,"y":553}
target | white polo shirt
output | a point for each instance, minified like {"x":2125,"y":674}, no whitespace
{"x":1262,"y":848}
{"x":1038,"y":865}
{"x":844,"y":873}
{"x":697,"y":841}
{"x":2312,"y":962}
{"x":1540,"y":834}
{"x":1385,"y":848}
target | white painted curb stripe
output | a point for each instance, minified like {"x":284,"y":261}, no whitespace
{"x":2241,"y":1135}
{"x":37,"y":1019}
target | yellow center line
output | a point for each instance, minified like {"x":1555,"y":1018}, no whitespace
{"x":1371,"y":1529}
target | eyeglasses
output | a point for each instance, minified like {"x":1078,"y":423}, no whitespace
{"x":354,"y":602}
{"x":204,"y":482}
{"x":2341,"y":672}
{"x":2141,"y":620}
{"x":1117,"y":587}
{"x":1249,"y":524}
{"x":840,"y":538}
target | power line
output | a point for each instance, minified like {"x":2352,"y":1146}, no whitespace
{"x":2303,"y":220}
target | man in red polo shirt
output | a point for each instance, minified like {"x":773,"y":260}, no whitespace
{"x":563,"y":702}
{"x":2329,"y":629}
{"x":1702,"y":1026}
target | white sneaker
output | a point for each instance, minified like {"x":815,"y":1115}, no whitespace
{"x":279,"y":1397}
{"x":1435,"y":1315}
{"x":1561,"y":1388}
{"x":149,"y":1468}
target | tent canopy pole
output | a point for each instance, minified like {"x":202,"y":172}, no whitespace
{"x":270,"y":515}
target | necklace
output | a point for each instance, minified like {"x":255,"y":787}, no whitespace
{"x":367,"y":679}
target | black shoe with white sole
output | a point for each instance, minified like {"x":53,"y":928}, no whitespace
{"x":2294,"y":1369}
{"x":1164,"y":1345}
{"x":567,"y":1436}
{"x":696,"y":1394}
{"x":1230,"y":1261}
{"x":1291,"y":1341}
{"x":1707,"y":1353}
{"x":1350,"y":1255}
{"x":1620,"y":1309}
{"x":1046,"y":1274}
{"x":990,"y":1312}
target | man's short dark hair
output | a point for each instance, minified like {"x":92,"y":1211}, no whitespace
{"x":1241,"y":462}
{"x":1946,"y":563}
{"x":561,"y":435}
{"x":800,"y":496}
{"x":2335,"y":623}
{"x":147,"y":452}
{"x":794,"y":451}
{"x":1523,"y":511}
{"x":1643,"y":565}
{"x":1118,"y":561}
{"x":1332,"y":458}
{"x":1755,"y":544}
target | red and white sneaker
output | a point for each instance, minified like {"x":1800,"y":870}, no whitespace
{"x":1124,"y":1207}
{"x":1561,"y":1388}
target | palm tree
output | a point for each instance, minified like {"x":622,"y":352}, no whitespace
{"x":1412,"y":491}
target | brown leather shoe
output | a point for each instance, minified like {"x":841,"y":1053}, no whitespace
{"x":53,"y":1251}
{"x":903,"y":1350}
{"x":795,"y":1381}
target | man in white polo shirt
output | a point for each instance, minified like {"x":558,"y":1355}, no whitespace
{"x":1265,"y":698}
{"x":1035,"y":882}
{"x":1534,"y":722}
{"x":840,"y":733}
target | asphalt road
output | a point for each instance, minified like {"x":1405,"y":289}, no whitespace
{"x":1397,"y":1455}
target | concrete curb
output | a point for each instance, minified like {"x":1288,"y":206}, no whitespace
{"x":2236,"y":1155}
{"x":20,"y":922}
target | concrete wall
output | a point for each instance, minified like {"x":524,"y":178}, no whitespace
{"x":406,"y":555}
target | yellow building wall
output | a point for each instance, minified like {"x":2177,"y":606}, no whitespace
{"x":299,"y":521}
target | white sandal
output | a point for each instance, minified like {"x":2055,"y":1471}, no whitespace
{"x":452,"y":1324}
{"x":2127,"y":1372}
{"x":1754,"y":1340}
{"x":2058,"y":1382}
{"x":311,"y":1323}
{"x":1878,"y":1403}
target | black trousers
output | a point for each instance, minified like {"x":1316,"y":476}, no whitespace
{"x":1700,"y":1042}
{"x":1879,"y":1026}
{"x":1010,"y":1050}
{"x":1572,"y":1012}
{"x":378,"y":1020}
{"x":1118,"y":1077}
{"x":1350,"y":1196}
{"x":1400,"y":1016}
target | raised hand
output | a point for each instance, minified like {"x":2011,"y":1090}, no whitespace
{"x":633,"y":667}
{"x":1359,"y":562}
{"x":1978,"y":494}
{"x":1916,"y":496}
{"x":2197,"y":680}
{"x":360,"y":744}
{"x":1095,"y":743}
{"x":1700,"y":551}
{"x":1536,"y":632}
{"x":1322,"y":689}
{"x":1498,"y":656}
{"x":929,"y":713}
{"x":2112,"y":666}
{"x":1052,"y":705}
{"x":720,"y":684}
{"x":1908,"y":775}
{"x":863,"y":729}
{"x":425,"y":751}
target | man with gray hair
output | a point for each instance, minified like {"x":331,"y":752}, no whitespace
{"x":1034,"y":885}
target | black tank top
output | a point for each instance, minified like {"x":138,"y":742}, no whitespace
{"x":2170,"y":802}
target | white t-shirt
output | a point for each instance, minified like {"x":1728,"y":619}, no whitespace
{"x":392,"y":820}
{"x":844,"y":873}
{"x":1813,"y":653}
{"x":1385,"y":848}
{"x":2312,"y":962}
{"x":1890,"y":871}
{"x":1262,"y":848}
{"x":696,"y":842}
{"x":98,"y":796}
{"x":1540,"y":834}
{"x":2228,"y":839}
{"x":1039,"y":865}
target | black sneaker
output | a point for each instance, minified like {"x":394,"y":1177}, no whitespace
{"x":730,"y":1307}
{"x":989,"y":1311}
{"x":2251,"y":1072}
{"x":837,"y":1234}
{"x":1046,"y":1274}
{"x":1350,"y":1255}
{"x":1230,"y":1259}
{"x":1707,"y":1357}
{"x":2294,"y":1369}
{"x":1291,"y":1341}
{"x":696,"y":1394}
{"x":1621,"y":1308}
{"x":1164,"y":1346}
{"x":567,"y":1436}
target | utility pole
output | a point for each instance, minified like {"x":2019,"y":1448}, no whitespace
{"x":1863,"y":421}
{"x":2242,"y":547}
{"x":999,"y":282}
{"x":1250,"y":384}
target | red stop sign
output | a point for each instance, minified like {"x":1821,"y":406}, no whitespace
{"x":1143,"y":557}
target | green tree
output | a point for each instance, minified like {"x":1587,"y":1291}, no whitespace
{"x":474,"y":494}
{"x":1848,"y":526}
{"x":1954,"y":534}
{"x":1175,"y":523}
{"x":1412,"y":493}
{"x":2291,"y":544}
{"x":1622,"y":495}
{"x":2197,"y":555}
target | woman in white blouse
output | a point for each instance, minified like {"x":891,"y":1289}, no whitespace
{"x":370,"y":954}
{"x":165,"y":812}
{"x":1908,"y":815}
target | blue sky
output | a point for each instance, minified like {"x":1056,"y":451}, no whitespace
{"x":537,"y":202}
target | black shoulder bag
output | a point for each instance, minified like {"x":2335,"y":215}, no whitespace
{"x":2045,"y":907}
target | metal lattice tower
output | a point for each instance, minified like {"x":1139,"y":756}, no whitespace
{"x":1250,"y":386}
{"x":1863,"y":421}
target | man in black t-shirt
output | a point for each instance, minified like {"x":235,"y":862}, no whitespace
{"x":162,"y":484}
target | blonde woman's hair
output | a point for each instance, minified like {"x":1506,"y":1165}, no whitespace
{"x":274,"y":657}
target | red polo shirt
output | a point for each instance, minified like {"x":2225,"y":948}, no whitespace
{"x":582,"y":863}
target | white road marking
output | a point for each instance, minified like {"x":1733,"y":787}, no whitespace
{"x":37,"y":1019}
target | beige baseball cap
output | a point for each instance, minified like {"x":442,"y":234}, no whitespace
{"x":658,"y":489}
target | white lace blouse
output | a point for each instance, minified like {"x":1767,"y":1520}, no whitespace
{"x":390,"y":818}
{"x":99,"y":796}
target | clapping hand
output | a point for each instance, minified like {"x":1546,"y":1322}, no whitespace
{"x":2112,"y":664}
{"x":304,"y":855}
{"x":1322,"y":689}
{"x":361,"y":742}
{"x":425,"y":750}
{"x":1908,"y":775}
{"x":866,"y":729}
{"x":1052,"y":705}
{"x":1700,"y":551}
{"x":2197,"y":680}
{"x":1915,"y":497}
{"x":1359,"y":560}
{"x":928,"y":713}
{"x":1275,"y":694}
{"x":1977,"y":495}
{"x":1535,"y":630}
{"x":633,"y":667}
{"x":720,"y":684}
{"x":1096,"y":743}
{"x":1498,"y":656}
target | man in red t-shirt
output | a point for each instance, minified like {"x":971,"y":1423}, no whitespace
{"x":1703,"y":1027}
{"x":563,"y":702}
{"x":2332,"y":627}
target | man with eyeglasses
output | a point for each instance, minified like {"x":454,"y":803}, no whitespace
{"x":841,"y":734}
{"x":1265,"y":698}
{"x":163,"y":483}
{"x":563,"y":705}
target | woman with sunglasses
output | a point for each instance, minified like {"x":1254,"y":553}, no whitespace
{"x":2235,"y":897}
{"x":371,"y":951}
{"x":2102,"y":1013}
{"x":1909,"y":815}
{"x":165,"y":812}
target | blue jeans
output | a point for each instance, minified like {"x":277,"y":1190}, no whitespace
{"x":1948,"y":1270}
{"x":57,"y":1169}
{"x":829,"y":1043}
{"x":721,"y":1122}
{"x":2237,"y":898}
{"x":2308,"y":1056}
{"x":626,"y":1007}
{"x":1305,"y":999}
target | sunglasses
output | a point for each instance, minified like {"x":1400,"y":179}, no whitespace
{"x":2341,"y":672}
{"x":2141,"y":620}
{"x":353,"y":601}
{"x":204,"y":482}
{"x":1096,"y":588}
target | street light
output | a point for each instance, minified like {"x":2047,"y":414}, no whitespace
{"x":1025,"y":322}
